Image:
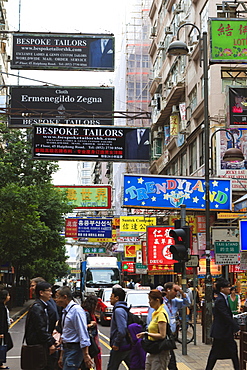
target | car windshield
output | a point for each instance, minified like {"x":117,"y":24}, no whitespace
{"x":103,"y":276}
{"x":107,"y":295}
{"x":137,"y":300}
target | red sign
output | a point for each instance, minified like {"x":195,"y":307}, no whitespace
{"x":128,"y":266}
{"x":144,"y":253}
{"x":71,"y":226}
{"x":159,"y":242}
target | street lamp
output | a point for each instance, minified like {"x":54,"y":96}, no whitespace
{"x":178,"y":48}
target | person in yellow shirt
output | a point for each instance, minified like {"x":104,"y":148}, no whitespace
{"x":156,"y":331}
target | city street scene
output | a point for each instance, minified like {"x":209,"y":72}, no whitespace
{"x":123,"y":185}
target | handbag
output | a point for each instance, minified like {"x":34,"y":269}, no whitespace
{"x":93,"y":348}
{"x":3,"y":351}
{"x":156,"y":346}
{"x":33,"y":357}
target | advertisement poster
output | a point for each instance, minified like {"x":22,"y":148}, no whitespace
{"x":237,"y":97}
{"x":136,"y":224}
{"x":60,"y":105}
{"x":228,"y":40}
{"x":167,"y":192}
{"x":88,"y":143}
{"x":237,"y":171}
{"x":63,"y":51}
{"x":159,"y":242}
{"x":94,"y":228}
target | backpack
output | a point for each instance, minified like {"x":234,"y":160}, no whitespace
{"x":132,"y":319}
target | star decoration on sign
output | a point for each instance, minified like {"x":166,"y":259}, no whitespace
{"x":195,"y":200}
{"x":215,"y":183}
{"x":153,"y":199}
{"x":143,"y":203}
{"x":226,"y":189}
{"x":187,"y":196}
{"x":140,"y":180}
{"x":166,"y":196}
{"x":126,"y":199}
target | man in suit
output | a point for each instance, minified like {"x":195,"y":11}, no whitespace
{"x":137,"y":144}
{"x":101,"y":53}
{"x":223,"y":329}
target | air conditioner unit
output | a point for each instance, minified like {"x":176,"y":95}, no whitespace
{"x":161,"y":45}
{"x":178,"y":8}
{"x":153,"y":103}
{"x":168,"y":30}
{"x":153,"y":31}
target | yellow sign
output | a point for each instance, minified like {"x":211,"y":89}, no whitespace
{"x":113,"y":239}
{"x":75,"y":271}
{"x":136,"y":224}
{"x":231,"y":215}
{"x":190,"y":221}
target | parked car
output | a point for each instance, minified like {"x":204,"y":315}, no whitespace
{"x":103,"y":311}
{"x":138,"y":301}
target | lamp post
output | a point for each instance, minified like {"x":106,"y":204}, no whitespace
{"x":180,"y":48}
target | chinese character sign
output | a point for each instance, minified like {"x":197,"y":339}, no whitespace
{"x":228,"y":40}
{"x":71,"y":227}
{"x":159,"y":192}
{"x":96,"y":197}
{"x":136,"y":224}
{"x":94,"y":228}
{"x":159,"y":243}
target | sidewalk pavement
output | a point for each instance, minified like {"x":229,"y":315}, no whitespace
{"x":16,"y":312}
{"x":197,"y":355}
{"x":196,"y":358}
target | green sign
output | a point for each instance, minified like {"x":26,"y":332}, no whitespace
{"x":226,"y":247}
{"x":87,"y":250}
{"x":228,"y":41}
{"x":141,"y":266}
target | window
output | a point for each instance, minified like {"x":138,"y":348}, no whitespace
{"x":193,"y":99}
{"x":183,"y":164}
{"x":193,"y":157}
{"x":233,"y":78}
{"x":201,"y":148}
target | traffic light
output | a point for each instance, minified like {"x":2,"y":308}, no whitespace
{"x":181,"y":249}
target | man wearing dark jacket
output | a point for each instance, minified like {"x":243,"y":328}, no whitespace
{"x":120,"y":348}
{"x":37,"y":322}
{"x":223,"y":329}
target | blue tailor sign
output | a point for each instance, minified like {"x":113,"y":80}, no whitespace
{"x":171,"y":192}
{"x":94,"y":228}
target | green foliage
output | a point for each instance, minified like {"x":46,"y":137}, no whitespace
{"x":31,"y":210}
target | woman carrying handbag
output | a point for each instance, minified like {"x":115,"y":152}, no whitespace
{"x":157,"y":330}
{"x":5,"y":322}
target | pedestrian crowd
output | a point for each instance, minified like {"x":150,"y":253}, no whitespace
{"x":65,"y":333}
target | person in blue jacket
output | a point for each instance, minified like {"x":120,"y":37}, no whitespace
{"x":120,"y":348}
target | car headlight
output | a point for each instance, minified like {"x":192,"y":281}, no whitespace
{"x":108,"y":309}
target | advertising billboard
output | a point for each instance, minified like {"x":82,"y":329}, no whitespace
{"x":237,"y":171}
{"x":88,"y":196}
{"x":60,"y":105}
{"x":167,"y":192}
{"x":63,"y":51}
{"x":237,"y":106}
{"x":91,"y":143}
{"x":228,"y":40}
{"x":159,"y":242}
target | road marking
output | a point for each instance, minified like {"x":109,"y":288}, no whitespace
{"x":13,"y":357}
{"x":104,"y":336}
{"x":107,"y":346}
{"x":16,"y":321}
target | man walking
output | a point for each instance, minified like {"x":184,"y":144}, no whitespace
{"x":172,"y":305}
{"x":75,"y":338}
{"x":37,"y":322}
{"x":223,"y":329}
{"x":120,"y":348}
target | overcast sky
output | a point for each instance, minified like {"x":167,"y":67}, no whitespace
{"x":73,"y":16}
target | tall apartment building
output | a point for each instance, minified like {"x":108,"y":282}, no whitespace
{"x":177,"y":90}
{"x":4,"y":44}
{"x":133,"y":83}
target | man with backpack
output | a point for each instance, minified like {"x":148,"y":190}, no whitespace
{"x":120,"y":348}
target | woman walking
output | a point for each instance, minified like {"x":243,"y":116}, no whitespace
{"x":156,"y":331}
{"x":89,"y":306}
{"x":5,"y":322}
{"x":234,"y":301}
